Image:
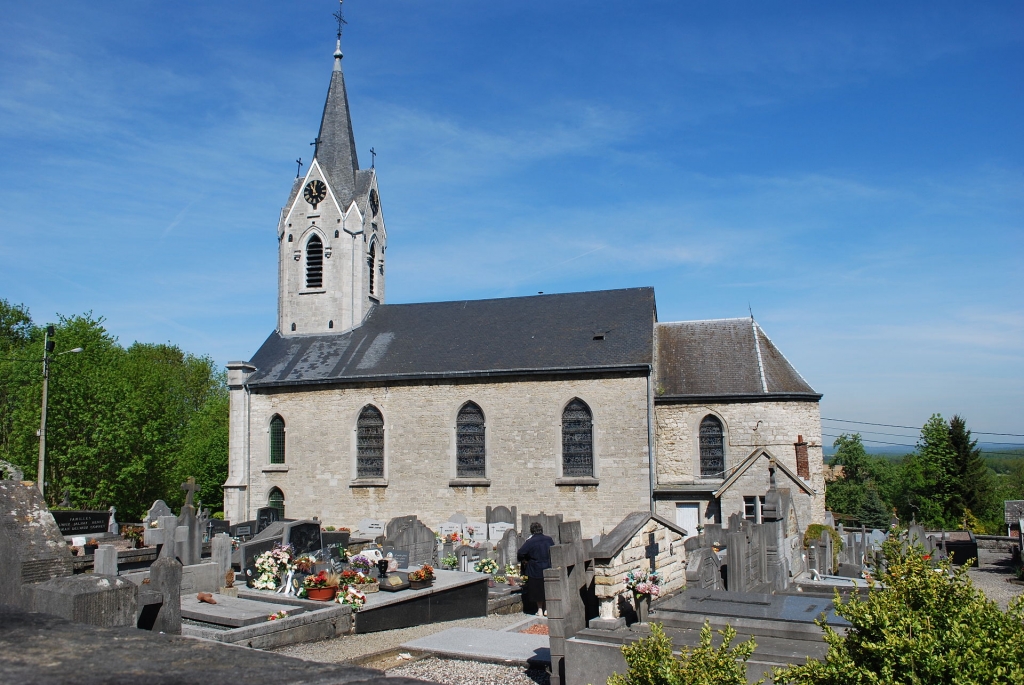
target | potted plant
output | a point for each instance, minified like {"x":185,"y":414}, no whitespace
{"x":321,"y":587}
{"x":134,"y":535}
{"x":361,"y":563}
{"x":91,"y":546}
{"x":643,"y":586}
{"x":359,"y":580}
{"x":422,"y":577}
{"x":488,"y":566}
{"x":450,"y":562}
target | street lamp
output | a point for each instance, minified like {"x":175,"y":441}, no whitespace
{"x":48,"y":346}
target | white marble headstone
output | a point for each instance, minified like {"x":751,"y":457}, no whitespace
{"x":370,"y":528}
{"x":497,"y":530}
{"x":449,"y":528}
{"x":475,"y":531}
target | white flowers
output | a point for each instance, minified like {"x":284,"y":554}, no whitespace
{"x":271,"y":566}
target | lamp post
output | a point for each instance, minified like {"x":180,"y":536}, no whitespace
{"x":48,"y":346}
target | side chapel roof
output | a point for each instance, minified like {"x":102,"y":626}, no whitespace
{"x":723,"y":358}
{"x":518,"y":335}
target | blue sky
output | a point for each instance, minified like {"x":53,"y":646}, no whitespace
{"x":853,"y":174}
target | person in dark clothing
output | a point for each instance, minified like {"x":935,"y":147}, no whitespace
{"x":535,"y":556}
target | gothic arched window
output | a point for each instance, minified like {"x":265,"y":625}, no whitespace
{"x":470,"y":452}
{"x":314,"y":262}
{"x":276,"y":501}
{"x":370,"y":443}
{"x":371,"y":262}
{"x":577,"y":440}
{"x":712,"y":448}
{"x":276,"y":440}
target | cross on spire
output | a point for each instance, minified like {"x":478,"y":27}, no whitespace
{"x":373,"y":161}
{"x":298,"y":172}
{"x":340,"y":16}
{"x":316,"y":146}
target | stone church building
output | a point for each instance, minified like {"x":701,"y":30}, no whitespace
{"x":579,"y":403}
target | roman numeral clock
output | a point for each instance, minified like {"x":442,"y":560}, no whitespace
{"x":315,"y":192}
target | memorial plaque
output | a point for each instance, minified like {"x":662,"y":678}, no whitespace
{"x":242,"y":531}
{"x":81,"y":522}
{"x":334,"y":556}
{"x":395,"y":581}
{"x":399,"y":555}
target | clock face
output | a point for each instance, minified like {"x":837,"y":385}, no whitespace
{"x":315,"y":192}
{"x":374,"y":202}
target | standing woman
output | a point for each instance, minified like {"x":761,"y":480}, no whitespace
{"x":535,"y":555}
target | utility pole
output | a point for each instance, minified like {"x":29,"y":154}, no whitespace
{"x":48,"y":346}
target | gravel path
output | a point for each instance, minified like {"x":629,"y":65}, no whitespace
{"x":350,"y":647}
{"x":993,"y":575}
{"x":453,"y":672}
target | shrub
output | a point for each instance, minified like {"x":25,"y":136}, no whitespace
{"x":929,"y":625}
{"x":651,"y":661}
{"x":813,"y":533}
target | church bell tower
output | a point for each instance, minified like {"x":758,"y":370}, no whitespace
{"x":331,"y":236}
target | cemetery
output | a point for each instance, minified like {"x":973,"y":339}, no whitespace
{"x":272,"y":582}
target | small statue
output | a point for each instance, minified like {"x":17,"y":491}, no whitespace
{"x":229,"y":579}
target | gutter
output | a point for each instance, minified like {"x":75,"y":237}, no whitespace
{"x":742,"y":397}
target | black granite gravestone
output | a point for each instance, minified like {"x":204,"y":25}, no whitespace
{"x":303,"y":536}
{"x":265,"y":516}
{"x":81,"y":522}
{"x":401,"y":556}
{"x":249,"y":552}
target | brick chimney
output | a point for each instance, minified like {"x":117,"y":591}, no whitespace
{"x":803,"y":467}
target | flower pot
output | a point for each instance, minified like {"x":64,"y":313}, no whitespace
{"x":321,"y":594}
{"x":491,"y":582}
{"x":90,"y":549}
{"x":420,"y":584}
{"x":643,"y":607}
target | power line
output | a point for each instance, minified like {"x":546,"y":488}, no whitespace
{"x":917,"y":428}
{"x":898,"y":435}
{"x":901,"y":444}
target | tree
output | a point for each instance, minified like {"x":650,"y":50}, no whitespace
{"x":973,"y":489}
{"x":846,"y":495}
{"x":873,"y":512}
{"x":924,"y":627}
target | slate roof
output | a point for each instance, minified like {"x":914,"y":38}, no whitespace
{"x":336,"y":151}
{"x":609,"y":546}
{"x":536,"y":334}
{"x":726,"y":357}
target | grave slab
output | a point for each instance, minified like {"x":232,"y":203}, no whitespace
{"x":233,"y":612}
{"x":485,"y":645}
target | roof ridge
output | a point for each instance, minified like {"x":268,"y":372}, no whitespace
{"x":730,"y":318}
{"x":784,"y":357}
{"x":519,"y":297}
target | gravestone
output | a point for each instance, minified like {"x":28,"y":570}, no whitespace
{"x":163,"y":535}
{"x":467,"y":557}
{"x":703,"y":569}
{"x":303,"y":536}
{"x":446,"y":529}
{"x":459,"y":518}
{"x":501,"y":515}
{"x":190,"y":549}
{"x":335,"y":538}
{"x":496,"y":531}
{"x":569,"y":593}
{"x":32,"y":548}
{"x":215,"y":527}
{"x":549,"y":522}
{"x":370,"y":529}
{"x":104,"y":561}
{"x":158,"y":509}
{"x":112,"y":527}
{"x":245,"y":530}
{"x":400,"y":556}
{"x":475,"y":531}
{"x":220,"y":552}
{"x":747,"y":557}
{"x":265,"y":516}
{"x":419,"y":541}
{"x":508,"y":548}
{"x":9,"y":471}
{"x":249,"y":551}
{"x":398,"y":524}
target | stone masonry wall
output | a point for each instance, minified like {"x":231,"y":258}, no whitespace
{"x":748,"y":426}
{"x":523,"y":439}
{"x":610,"y":578}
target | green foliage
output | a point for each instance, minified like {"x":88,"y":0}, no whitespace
{"x":125,"y":426}
{"x":873,"y":512}
{"x":973,"y":488}
{"x":651,"y":662}
{"x":929,"y":625}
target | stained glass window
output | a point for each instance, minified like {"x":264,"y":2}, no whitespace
{"x":469,"y":443}
{"x":370,"y":443}
{"x":712,"y":448}
{"x":577,"y":440}
{"x":276,"y":440}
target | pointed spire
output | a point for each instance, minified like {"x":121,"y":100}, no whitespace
{"x":336,"y":143}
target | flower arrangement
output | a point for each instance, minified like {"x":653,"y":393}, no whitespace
{"x":277,"y":615}
{"x":271,"y":566}
{"x":322,"y":580}
{"x":641,"y":582}
{"x":350,"y":577}
{"x":351,"y":597}
{"x":303,"y":564}
{"x":425,"y":572}
{"x":500,"y":579}
{"x":512,"y":570}
{"x":489,"y":566}
{"x":450,"y":561}
{"x":361,"y":563}
{"x":452,"y":537}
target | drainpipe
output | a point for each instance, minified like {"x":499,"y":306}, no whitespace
{"x":651,"y":464}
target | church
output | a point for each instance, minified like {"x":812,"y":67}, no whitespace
{"x":583,"y":404}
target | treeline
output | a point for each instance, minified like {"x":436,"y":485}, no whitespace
{"x":944,"y":483}
{"x":125,"y":425}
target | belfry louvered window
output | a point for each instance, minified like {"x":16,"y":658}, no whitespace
{"x":470,"y":452}
{"x":276,"y":440}
{"x":276,"y":501}
{"x":371,"y":262}
{"x":712,"y":448}
{"x":577,"y":440}
{"x":314,"y":262}
{"x":370,"y":443}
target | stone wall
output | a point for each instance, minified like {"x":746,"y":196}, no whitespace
{"x":523,"y":439}
{"x":775,"y":426}
{"x":610,"y":576}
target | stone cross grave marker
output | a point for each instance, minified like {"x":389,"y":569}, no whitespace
{"x":651,"y":550}
{"x":467,"y":557}
{"x":566,"y":583}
